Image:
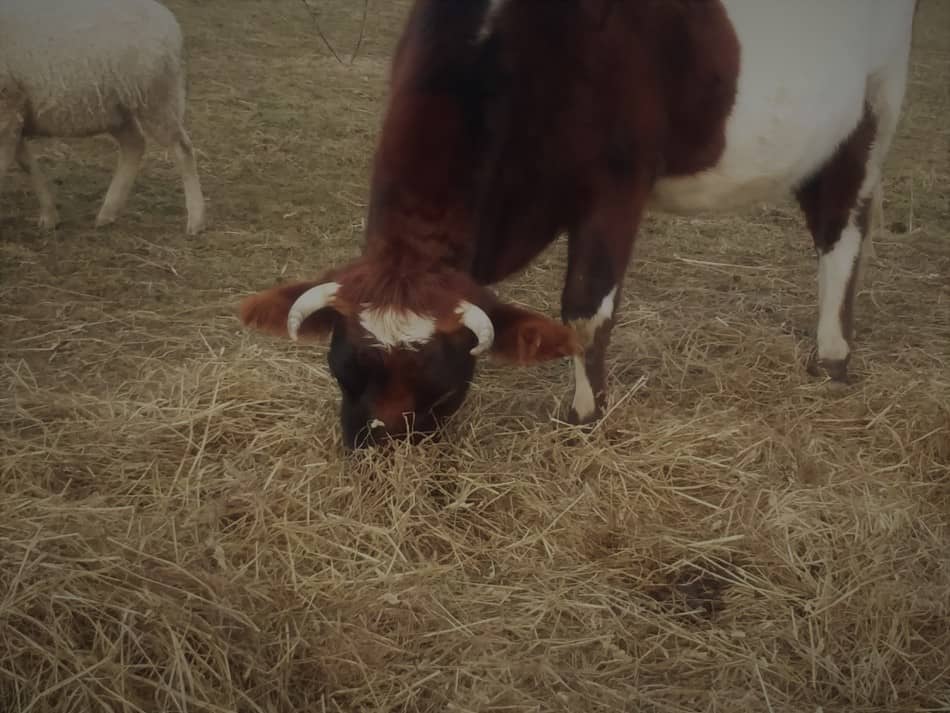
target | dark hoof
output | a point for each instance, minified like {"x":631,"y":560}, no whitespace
{"x":834,"y":369}
{"x":837,"y":369}
{"x":581,"y":427}
{"x":588,"y":421}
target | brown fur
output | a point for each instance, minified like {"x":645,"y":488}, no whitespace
{"x":492,"y":146}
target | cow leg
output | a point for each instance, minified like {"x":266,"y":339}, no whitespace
{"x":598,"y":252}
{"x":837,"y":208}
{"x":839,"y":203}
{"x":839,"y":262}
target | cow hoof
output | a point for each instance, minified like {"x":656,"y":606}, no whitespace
{"x":834,"y":369}
{"x":574,"y":419}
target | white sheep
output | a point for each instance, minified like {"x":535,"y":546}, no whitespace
{"x":86,"y":67}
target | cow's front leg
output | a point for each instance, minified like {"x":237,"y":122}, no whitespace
{"x":598,"y":252}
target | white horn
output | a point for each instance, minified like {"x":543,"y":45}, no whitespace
{"x":314,"y":299}
{"x":474,"y":318}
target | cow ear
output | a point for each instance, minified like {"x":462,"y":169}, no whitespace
{"x":267,"y":312}
{"x":526,"y":337}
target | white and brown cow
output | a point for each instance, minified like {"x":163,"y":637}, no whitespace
{"x":510,"y":121}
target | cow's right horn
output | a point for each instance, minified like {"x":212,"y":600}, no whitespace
{"x":313,"y":300}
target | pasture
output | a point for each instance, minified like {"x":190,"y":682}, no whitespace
{"x":181,"y":531}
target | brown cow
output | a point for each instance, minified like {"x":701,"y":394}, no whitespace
{"x":510,"y":121}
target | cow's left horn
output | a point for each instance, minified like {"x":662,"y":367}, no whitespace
{"x":313,"y":300}
{"x":475,"y":318}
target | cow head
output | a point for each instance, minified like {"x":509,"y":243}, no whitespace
{"x":403,"y":345}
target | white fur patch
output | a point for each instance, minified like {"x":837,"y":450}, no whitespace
{"x":606,"y":309}
{"x":802,"y":86}
{"x":584,"y":403}
{"x":834,"y":271}
{"x":392,"y":327}
{"x":488,"y":21}
{"x":587,"y":328}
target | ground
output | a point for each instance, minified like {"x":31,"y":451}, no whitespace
{"x":180,"y":530}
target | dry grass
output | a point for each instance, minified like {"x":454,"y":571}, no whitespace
{"x":180,"y":531}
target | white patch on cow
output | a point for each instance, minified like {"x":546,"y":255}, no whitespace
{"x":606,"y":309}
{"x":587,"y":328}
{"x":834,"y":272}
{"x":395,"y":327}
{"x":802,"y":86}
{"x":584,"y":403}
{"x":488,"y":22}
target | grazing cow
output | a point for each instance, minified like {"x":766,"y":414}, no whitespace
{"x":510,"y":121}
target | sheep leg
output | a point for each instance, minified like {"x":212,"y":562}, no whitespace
{"x":49,"y":217}
{"x":131,"y":150}
{"x":194,"y":200}
{"x":7,"y":152}
{"x":9,"y":138}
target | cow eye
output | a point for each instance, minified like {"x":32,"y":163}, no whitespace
{"x":345,"y":366}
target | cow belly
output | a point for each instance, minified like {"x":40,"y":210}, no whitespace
{"x":766,"y":156}
{"x":715,"y":191}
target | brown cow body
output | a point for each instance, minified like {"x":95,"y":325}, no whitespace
{"x":513,"y":121}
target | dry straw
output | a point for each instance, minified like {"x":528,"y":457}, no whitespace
{"x":180,"y":531}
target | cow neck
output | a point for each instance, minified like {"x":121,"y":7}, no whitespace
{"x":420,"y":215}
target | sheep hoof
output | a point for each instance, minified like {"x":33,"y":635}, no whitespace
{"x":48,"y":221}
{"x":103,"y":220}
{"x":195,"y":226}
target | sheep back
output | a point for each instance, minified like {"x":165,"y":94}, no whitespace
{"x":83,"y":67}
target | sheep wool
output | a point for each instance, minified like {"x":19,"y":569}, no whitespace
{"x":86,"y":67}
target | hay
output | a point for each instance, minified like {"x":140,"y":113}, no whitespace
{"x":180,"y":531}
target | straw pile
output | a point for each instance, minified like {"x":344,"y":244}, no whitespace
{"x":179,"y":530}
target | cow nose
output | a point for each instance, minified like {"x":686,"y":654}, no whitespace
{"x":372,"y":434}
{"x":376,"y":431}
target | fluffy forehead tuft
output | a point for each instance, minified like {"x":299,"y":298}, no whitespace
{"x":392,"y":326}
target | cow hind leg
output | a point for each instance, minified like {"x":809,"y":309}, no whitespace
{"x":839,"y":264}
{"x":838,"y":204}
{"x":843,"y":205}
{"x":837,"y":207}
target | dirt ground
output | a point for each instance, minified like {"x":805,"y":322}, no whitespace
{"x":180,"y":530}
